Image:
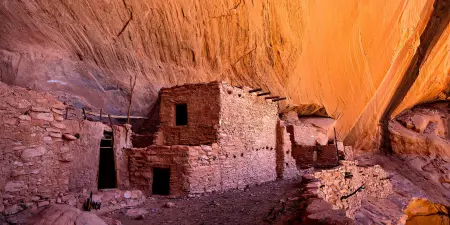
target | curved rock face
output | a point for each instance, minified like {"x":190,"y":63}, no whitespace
{"x":347,"y":56}
{"x":423,"y":130}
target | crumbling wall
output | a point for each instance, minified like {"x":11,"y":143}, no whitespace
{"x":203,"y":114}
{"x":346,"y":186}
{"x":83,"y":155}
{"x":41,"y":157}
{"x":317,"y":156}
{"x":122,"y":141}
{"x":286,"y":164}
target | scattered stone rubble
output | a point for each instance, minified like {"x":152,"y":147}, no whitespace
{"x":347,"y":185}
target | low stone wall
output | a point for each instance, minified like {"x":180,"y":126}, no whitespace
{"x":200,"y":169}
{"x":337,"y":183}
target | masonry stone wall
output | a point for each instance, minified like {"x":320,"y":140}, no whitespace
{"x":42,"y":160}
{"x":81,"y":157}
{"x":315,"y":156}
{"x":286,"y":164}
{"x":142,"y":161}
{"x":200,"y":169}
{"x":203,"y":114}
{"x":122,"y":141}
{"x":247,"y":136}
{"x":230,"y":139}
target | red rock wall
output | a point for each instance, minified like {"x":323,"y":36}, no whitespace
{"x":203,"y":114}
{"x":423,"y":130}
{"x":86,"y":52}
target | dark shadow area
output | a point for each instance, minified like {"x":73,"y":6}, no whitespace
{"x":106,"y":171}
{"x":161,"y":181}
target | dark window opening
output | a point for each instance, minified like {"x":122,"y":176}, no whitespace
{"x":106,"y":170}
{"x":181,"y":114}
{"x":161,"y":181}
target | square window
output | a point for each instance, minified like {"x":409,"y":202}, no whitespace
{"x":181,"y":114}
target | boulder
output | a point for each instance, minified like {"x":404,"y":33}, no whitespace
{"x":57,"y":214}
{"x":423,"y":211}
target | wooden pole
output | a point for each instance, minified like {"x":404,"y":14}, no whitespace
{"x":278,"y":99}
{"x":272,"y":97}
{"x":67,"y":110}
{"x":117,"y":117}
{"x":110,"y":121}
{"x":132,"y":85}
{"x":101,"y":115}
{"x":335,"y":144}
{"x":84,"y":113}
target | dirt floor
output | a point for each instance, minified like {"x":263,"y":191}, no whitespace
{"x":263,"y":204}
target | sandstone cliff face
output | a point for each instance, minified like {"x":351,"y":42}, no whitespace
{"x":347,"y":56}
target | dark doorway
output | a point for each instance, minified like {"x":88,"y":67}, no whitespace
{"x":161,"y":181}
{"x":181,"y":114}
{"x":106,"y":170}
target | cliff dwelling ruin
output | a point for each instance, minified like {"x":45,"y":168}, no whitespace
{"x":245,"y":112}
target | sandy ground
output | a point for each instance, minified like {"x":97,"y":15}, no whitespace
{"x":263,"y":204}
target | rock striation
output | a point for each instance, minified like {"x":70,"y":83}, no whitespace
{"x":325,"y":61}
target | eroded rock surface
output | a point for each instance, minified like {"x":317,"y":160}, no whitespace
{"x":423,"y":130}
{"x":85,"y":52}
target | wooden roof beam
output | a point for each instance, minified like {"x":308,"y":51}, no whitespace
{"x":264,"y":93}
{"x":255,"y":90}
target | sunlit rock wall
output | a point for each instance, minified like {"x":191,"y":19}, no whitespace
{"x":346,"y":55}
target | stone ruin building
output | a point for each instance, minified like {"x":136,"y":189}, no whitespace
{"x":215,"y":137}
{"x":211,"y":137}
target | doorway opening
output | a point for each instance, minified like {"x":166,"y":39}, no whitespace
{"x":107,"y":170}
{"x":161,"y":181}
